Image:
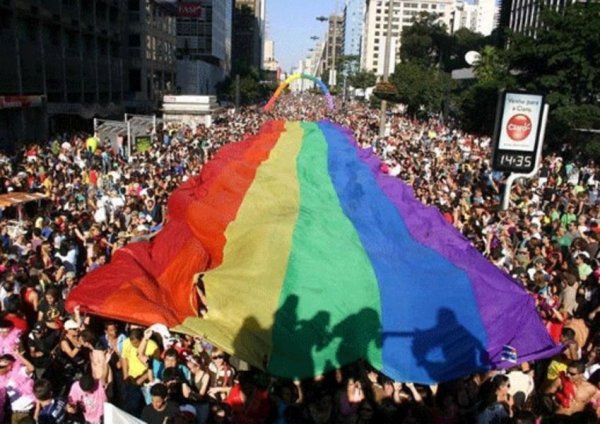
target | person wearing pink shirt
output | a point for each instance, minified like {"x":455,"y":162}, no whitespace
{"x":87,"y":395}
{"x":16,"y":379}
{"x":9,"y":337}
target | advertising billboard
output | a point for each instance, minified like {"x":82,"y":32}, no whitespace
{"x":517,"y":132}
{"x":190,"y":10}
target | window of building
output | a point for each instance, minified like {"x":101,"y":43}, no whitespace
{"x":133,"y":5}
{"x":135,"y":80}
{"x":134,"y":40}
{"x":434,"y":6}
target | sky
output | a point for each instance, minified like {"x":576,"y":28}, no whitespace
{"x":291,"y":23}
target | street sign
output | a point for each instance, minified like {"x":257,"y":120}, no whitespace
{"x":517,"y":132}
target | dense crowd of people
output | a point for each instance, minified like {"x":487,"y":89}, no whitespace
{"x":59,"y":367}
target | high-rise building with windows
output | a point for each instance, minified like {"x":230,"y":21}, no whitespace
{"x":61,"y":57}
{"x":353,"y":26}
{"x":480,"y":16}
{"x":523,"y":16}
{"x":204,"y":34}
{"x":150,"y":53}
{"x":270,"y":62}
{"x":334,"y":45}
{"x":248,"y":32}
{"x":403,"y":13}
{"x":67,"y":61}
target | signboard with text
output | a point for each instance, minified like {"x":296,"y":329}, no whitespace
{"x":517,"y":132}
{"x":190,"y":10}
{"x":143,"y":143}
{"x":7,"y":102}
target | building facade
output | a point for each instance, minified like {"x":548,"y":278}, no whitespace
{"x":151,"y":35}
{"x":204,"y":31}
{"x":68,"y":61}
{"x":353,"y":26}
{"x":524,"y":15}
{"x":481,"y":16}
{"x":70,"y":56}
{"x":270,"y":63}
{"x":334,"y":47}
{"x":403,"y":13}
{"x":248,"y":32}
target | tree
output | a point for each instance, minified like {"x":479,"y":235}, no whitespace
{"x":563,"y":62}
{"x":252,"y":86}
{"x":462,"y":41}
{"x":421,"y":89}
{"x":491,"y":66}
{"x":362,"y":79}
{"x":426,"y":42}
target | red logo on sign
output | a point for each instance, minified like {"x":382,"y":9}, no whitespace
{"x":518,"y":127}
{"x":190,"y":10}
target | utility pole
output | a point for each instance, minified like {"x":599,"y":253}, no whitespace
{"x":237,"y":92}
{"x":386,"y":66}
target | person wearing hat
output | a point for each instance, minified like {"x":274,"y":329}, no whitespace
{"x":16,"y":378}
{"x":40,"y":343}
{"x":71,"y":354}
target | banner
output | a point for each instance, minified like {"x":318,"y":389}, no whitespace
{"x":143,"y":143}
{"x":7,"y":102}
{"x":114,"y":415}
{"x":191,"y":10}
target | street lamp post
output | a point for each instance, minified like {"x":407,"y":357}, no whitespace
{"x":386,"y":66}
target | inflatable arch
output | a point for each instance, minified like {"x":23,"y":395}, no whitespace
{"x":293,"y":78}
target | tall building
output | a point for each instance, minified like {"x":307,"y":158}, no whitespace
{"x":61,"y":58}
{"x":203,"y":45}
{"x":480,"y":16}
{"x":334,"y":46}
{"x":269,"y":61}
{"x":524,"y":15}
{"x":150,"y":55}
{"x":353,"y":26}
{"x":68,"y":61}
{"x":248,"y":32}
{"x":403,"y":12}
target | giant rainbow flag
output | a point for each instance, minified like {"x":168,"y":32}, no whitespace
{"x":311,"y":259}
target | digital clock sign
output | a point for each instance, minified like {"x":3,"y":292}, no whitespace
{"x":517,"y":131}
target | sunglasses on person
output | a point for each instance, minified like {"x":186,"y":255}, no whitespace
{"x":218,"y":357}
